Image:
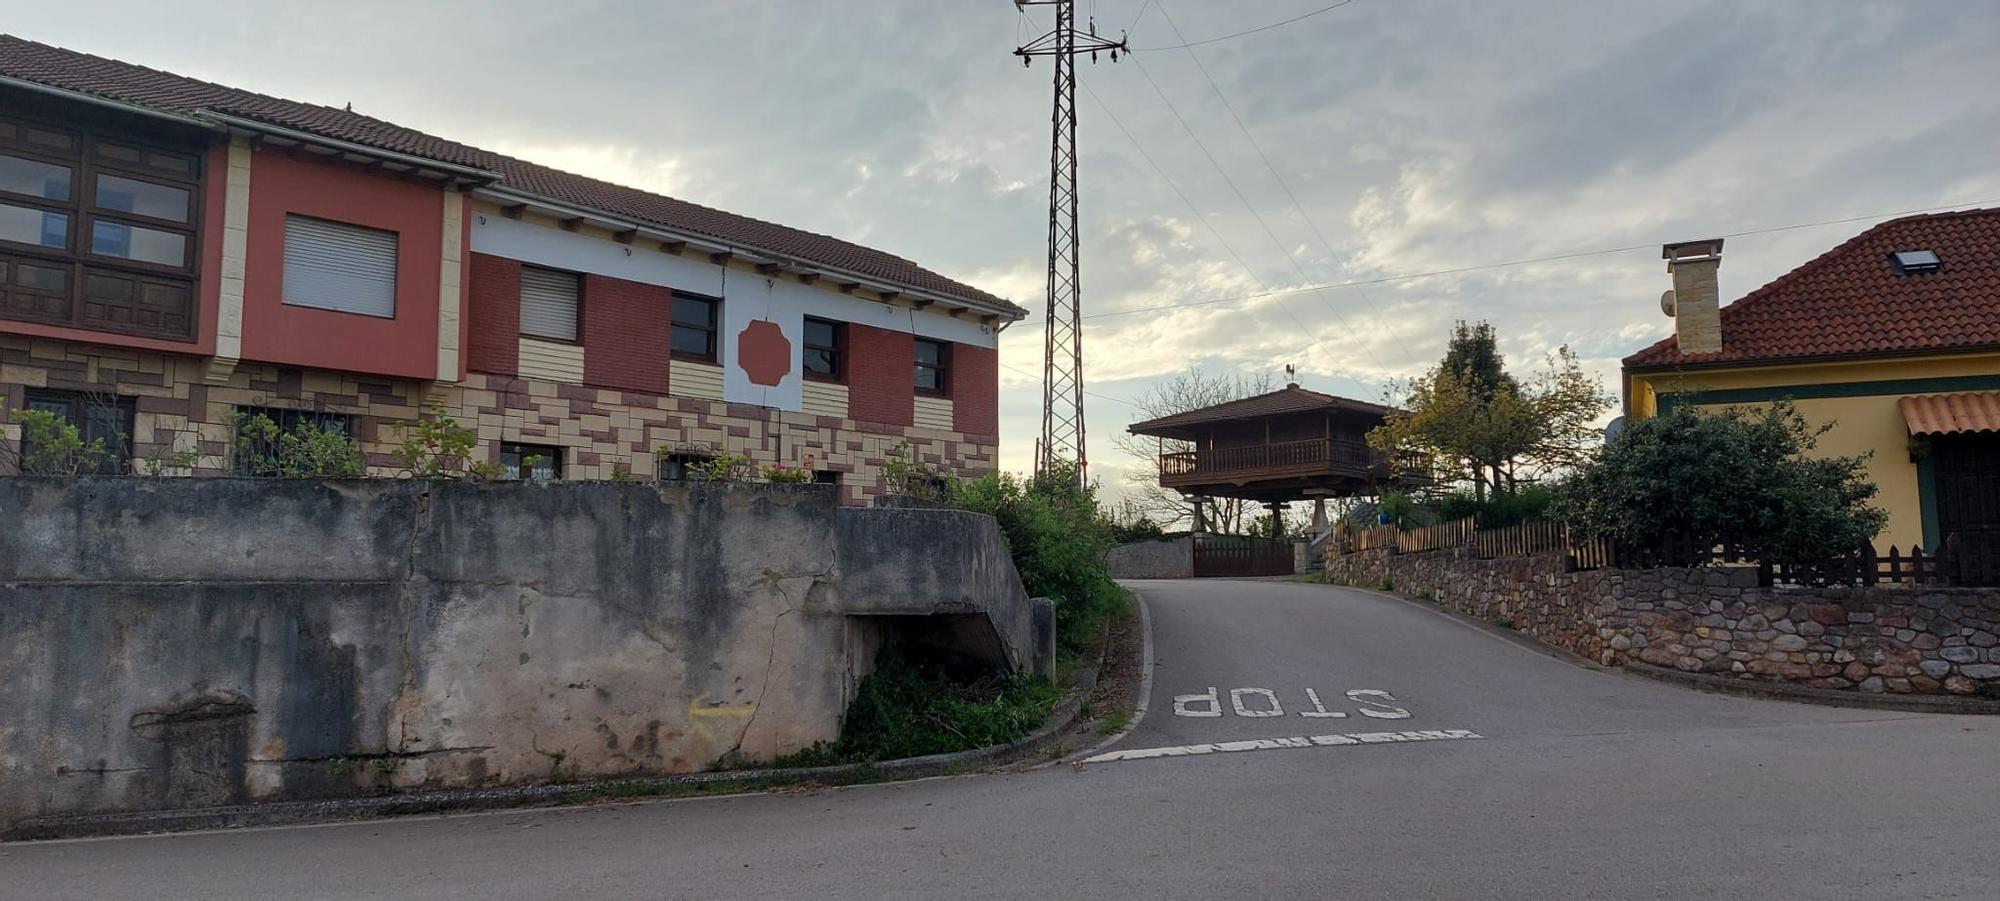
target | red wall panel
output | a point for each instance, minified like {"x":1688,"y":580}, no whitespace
{"x":625,"y":334}
{"x":405,"y":346}
{"x":975,"y":389}
{"x":493,"y":314}
{"x":881,"y":376}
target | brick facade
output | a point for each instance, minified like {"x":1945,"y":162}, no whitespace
{"x":625,"y":334}
{"x":881,"y":373}
{"x":494,"y":314}
{"x":604,"y":432}
{"x":975,"y":381}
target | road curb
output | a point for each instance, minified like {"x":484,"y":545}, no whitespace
{"x":1829,"y":697}
{"x":721,"y":782}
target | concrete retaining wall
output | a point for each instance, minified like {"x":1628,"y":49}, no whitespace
{"x":171,"y":643}
{"x":1716,"y":621}
{"x":1171,"y":558}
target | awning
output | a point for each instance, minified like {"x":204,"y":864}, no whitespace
{"x":1949,"y":414}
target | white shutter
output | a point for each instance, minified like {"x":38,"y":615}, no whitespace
{"x":332,"y":266}
{"x":548,"y":303}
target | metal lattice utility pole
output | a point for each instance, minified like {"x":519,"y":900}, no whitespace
{"x":1062,"y":360}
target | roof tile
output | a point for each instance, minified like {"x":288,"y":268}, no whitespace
{"x":127,"y":83}
{"x":1947,"y":414}
{"x":1851,"y":300}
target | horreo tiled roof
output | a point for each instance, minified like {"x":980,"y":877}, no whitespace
{"x":1290,"y":399}
{"x":126,"y":83}
{"x":1853,"y":301}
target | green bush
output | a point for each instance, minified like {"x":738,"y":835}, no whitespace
{"x":52,"y":446}
{"x":305,"y":452}
{"x":1502,"y":509}
{"x":1740,"y":477}
{"x":907,"y":708}
{"x":1058,"y":539}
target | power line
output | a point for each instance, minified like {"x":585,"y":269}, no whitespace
{"x":1019,"y":371}
{"x":1239,"y":34}
{"x":1554,"y":258}
{"x":1259,"y":217}
{"x":1192,"y":208}
{"x":1268,"y":165}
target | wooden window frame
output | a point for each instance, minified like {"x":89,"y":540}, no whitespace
{"x":942,"y":367}
{"x":837,"y":351}
{"x":520,"y":471}
{"x":86,"y":163}
{"x":713,"y":329}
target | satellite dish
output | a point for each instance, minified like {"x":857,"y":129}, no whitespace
{"x":1667,"y":302}
{"x":1616,"y":427}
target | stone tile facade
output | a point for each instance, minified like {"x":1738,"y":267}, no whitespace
{"x":605,"y":433}
{"x":1716,"y":621}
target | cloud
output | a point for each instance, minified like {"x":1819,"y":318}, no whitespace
{"x":1415,"y":137}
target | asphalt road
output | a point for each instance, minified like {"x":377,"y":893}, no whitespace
{"x":1579,"y":784}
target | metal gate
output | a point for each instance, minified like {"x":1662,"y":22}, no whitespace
{"x":1237,"y":555}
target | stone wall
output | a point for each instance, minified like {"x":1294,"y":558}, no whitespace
{"x":1714,"y":620}
{"x":602,"y":432}
{"x":1171,"y":558}
{"x":173,"y":643}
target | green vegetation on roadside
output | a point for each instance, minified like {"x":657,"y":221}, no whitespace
{"x":1058,"y":538}
{"x":911,"y":708}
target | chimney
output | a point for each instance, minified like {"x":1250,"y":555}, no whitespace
{"x":1693,"y":302}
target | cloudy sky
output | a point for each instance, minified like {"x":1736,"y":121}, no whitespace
{"x":1377,"y":143}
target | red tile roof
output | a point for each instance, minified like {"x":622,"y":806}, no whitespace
{"x":126,"y":83}
{"x":1851,"y":300}
{"x":1290,"y":399}
{"x":1946,"y":414}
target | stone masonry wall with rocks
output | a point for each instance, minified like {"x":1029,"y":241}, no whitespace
{"x":180,"y":643}
{"x":1714,"y":620}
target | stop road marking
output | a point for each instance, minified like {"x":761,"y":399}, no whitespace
{"x":1263,"y":702}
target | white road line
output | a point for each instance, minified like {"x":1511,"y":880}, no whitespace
{"x":1145,"y":683}
{"x":1276,"y":744}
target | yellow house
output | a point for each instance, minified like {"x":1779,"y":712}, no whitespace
{"x":1892,"y":337}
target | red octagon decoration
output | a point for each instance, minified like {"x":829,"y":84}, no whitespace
{"x":763,"y":353}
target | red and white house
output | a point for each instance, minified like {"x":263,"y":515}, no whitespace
{"x":174,"y":253}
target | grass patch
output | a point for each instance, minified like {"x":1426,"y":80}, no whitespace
{"x":1114,"y":723}
{"x":1426,"y":597}
{"x":1387,"y":584}
{"x":1987,"y":690}
{"x":909,"y":708}
{"x":1503,"y":623}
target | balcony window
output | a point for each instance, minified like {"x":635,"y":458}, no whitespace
{"x":34,"y":178}
{"x":97,"y":234}
{"x":696,"y":320}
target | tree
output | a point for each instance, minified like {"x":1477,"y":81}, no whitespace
{"x":1191,"y":390}
{"x":1745,"y":478}
{"x":1480,"y":425}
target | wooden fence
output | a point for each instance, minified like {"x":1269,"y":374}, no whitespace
{"x":1435,"y":537}
{"x":1973,"y":561}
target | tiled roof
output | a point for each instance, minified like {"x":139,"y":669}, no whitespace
{"x":1851,"y":300}
{"x":1290,"y":399}
{"x":127,"y":83}
{"x":1947,"y":414}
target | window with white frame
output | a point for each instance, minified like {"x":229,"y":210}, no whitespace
{"x":339,"y":267}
